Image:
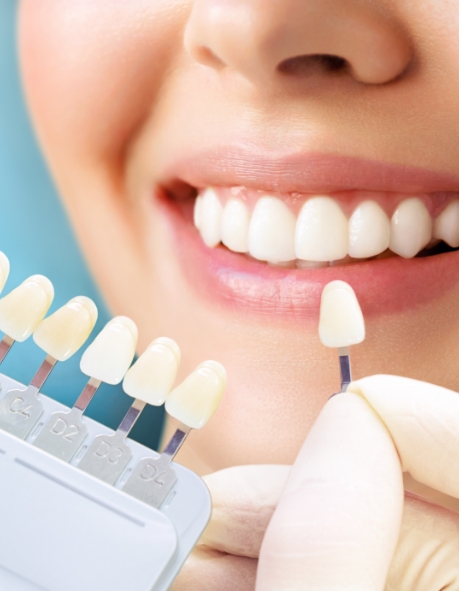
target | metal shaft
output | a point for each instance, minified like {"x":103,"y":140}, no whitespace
{"x":130,"y":418}
{"x":176,"y":441}
{"x":87,"y":394}
{"x":43,"y":373}
{"x":5,"y":345}
{"x":345,"y":367}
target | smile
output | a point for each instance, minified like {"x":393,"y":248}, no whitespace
{"x":272,"y":249}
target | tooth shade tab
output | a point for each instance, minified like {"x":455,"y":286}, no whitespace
{"x":272,"y":231}
{"x":411,"y":228}
{"x":341,"y":320}
{"x":196,"y":399}
{"x":446,"y":225}
{"x":369,"y":231}
{"x":22,"y":310}
{"x":64,"y":332}
{"x":209,"y":217}
{"x":322,"y":231}
{"x":235,"y":225}
{"x":4,"y":269}
{"x":111,"y":353}
{"x":152,"y":376}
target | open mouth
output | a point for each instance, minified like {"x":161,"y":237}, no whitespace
{"x":273,"y":250}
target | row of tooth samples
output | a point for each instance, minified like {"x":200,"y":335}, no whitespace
{"x":108,"y":359}
{"x":322,"y":232}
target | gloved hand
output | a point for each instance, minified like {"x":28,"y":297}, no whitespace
{"x":342,"y":521}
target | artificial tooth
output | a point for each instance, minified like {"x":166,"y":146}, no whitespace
{"x":197,"y":211}
{"x":64,"y":332}
{"x":209,"y":218}
{"x":272,"y":231}
{"x":446,"y":225}
{"x":235,"y":225}
{"x":22,"y":310}
{"x":341,"y":320}
{"x":152,"y":376}
{"x":111,"y":353}
{"x":195,"y":400}
{"x":4,"y":270}
{"x":321,"y":231}
{"x":411,"y":228}
{"x":369,"y":231}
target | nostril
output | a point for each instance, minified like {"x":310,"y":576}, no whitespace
{"x":207,"y":57}
{"x":305,"y":64}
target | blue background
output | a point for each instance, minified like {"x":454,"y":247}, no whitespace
{"x":37,"y":238}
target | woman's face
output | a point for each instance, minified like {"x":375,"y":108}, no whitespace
{"x":141,"y":105}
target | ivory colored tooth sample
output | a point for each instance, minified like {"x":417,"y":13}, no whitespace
{"x":22,"y":310}
{"x":411,"y":228}
{"x":446,"y":225}
{"x":341,"y":320}
{"x":64,"y":332}
{"x":152,"y":376}
{"x":4,"y":269}
{"x":195,"y":400}
{"x":111,"y":353}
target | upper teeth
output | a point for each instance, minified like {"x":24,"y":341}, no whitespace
{"x":321,"y":232}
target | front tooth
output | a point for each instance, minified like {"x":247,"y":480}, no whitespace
{"x":369,"y":231}
{"x":235,"y":225}
{"x":321,"y":231}
{"x":341,"y":320}
{"x":209,"y":218}
{"x":22,"y":310}
{"x":446,"y":225}
{"x":197,"y":211}
{"x":152,"y":376}
{"x":4,"y":269}
{"x":272,"y":231}
{"x":411,"y":228}
{"x":111,"y":353}
{"x":64,"y":332}
{"x":196,"y":399}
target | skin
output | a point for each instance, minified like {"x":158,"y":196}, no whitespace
{"x":115,"y":88}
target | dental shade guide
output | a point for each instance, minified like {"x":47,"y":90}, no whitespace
{"x":341,"y":324}
{"x":54,"y":514}
{"x":64,"y":432}
{"x":148,"y":381}
{"x":193,"y":403}
{"x":21,"y":311}
{"x":108,"y":359}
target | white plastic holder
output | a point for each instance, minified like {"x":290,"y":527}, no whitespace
{"x":61,"y":529}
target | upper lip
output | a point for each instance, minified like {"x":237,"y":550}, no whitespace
{"x":301,"y":173}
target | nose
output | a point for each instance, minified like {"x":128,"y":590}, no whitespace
{"x":265,"y":39}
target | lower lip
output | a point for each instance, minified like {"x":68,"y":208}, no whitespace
{"x":238,"y":282}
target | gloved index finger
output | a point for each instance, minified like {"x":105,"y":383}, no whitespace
{"x":423,"y":420}
{"x":337,"y":523}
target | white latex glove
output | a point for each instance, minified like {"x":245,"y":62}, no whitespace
{"x":342,"y":521}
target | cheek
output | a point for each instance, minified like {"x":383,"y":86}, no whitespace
{"x":92,"y":69}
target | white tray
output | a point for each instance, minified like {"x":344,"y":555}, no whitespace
{"x":63,"y":530}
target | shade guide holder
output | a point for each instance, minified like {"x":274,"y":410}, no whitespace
{"x":62,"y":528}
